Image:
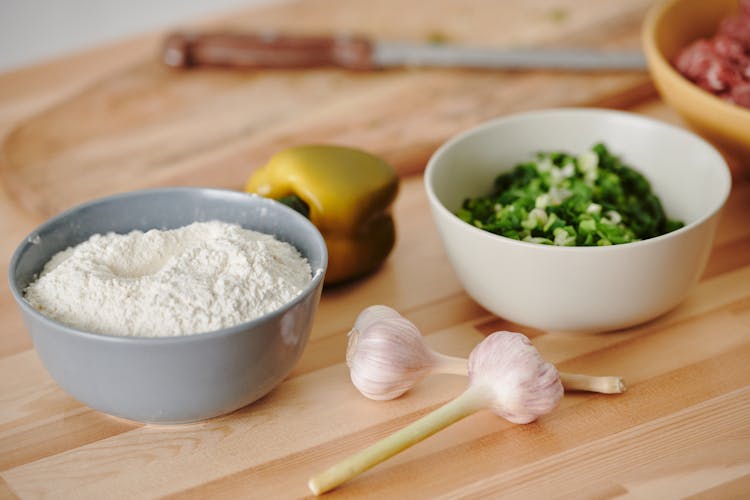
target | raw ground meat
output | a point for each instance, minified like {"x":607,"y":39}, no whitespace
{"x":737,"y":27}
{"x":741,"y":95}
{"x":721,"y":64}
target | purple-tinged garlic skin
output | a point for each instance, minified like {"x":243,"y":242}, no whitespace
{"x":387,"y":357}
{"x":523,"y":385}
{"x":506,"y":375}
{"x":373,"y":314}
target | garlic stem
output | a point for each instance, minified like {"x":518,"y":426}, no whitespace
{"x":387,"y":356}
{"x":507,"y":375}
{"x":448,"y":364}
{"x":610,"y":384}
{"x":604,"y":385}
{"x":471,"y":401}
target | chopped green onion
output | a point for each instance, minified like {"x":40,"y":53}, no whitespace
{"x":592,"y":199}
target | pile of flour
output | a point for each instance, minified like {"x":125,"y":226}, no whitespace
{"x":193,"y":279}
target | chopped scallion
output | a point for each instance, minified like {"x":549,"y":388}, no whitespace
{"x":592,"y":199}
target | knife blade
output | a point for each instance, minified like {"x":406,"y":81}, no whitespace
{"x":272,"y":50}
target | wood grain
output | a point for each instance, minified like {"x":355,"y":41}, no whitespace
{"x":183,"y":127}
{"x":111,"y":120}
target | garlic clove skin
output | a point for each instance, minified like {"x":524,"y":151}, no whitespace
{"x":506,"y":374}
{"x":372,"y":314}
{"x":514,"y":379}
{"x":387,"y":358}
{"x":365,"y":318}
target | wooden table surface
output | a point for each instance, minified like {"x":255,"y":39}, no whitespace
{"x":681,"y":429}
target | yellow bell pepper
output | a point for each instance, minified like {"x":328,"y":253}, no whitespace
{"x":348,"y":194}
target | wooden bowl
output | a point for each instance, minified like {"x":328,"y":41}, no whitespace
{"x":672,"y":25}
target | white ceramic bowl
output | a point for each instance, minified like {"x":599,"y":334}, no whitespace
{"x":580,"y":289}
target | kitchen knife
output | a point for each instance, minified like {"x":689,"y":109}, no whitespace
{"x":271,"y":50}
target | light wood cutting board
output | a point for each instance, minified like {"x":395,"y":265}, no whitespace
{"x":682,"y":430}
{"x":145,"y":125}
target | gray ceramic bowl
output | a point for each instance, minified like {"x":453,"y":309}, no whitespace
{"x":171,"y":379}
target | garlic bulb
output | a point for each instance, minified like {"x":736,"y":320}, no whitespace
{"x":506,"y":375}
{"x":373,"y":314}
{"x":387,"y":356}
{"x":521,"y":385}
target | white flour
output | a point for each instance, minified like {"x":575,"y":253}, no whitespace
{"x":193,"y":279}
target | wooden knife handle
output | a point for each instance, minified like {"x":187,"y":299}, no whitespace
{"x":245,"y":50}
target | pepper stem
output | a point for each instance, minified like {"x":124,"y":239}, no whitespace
{"x":295,"y":202}
{"x":471,"y":401}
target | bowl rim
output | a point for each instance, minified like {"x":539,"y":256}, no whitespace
{"x":317,"y":274}
{"x":658,"y":61}
{"x":720,"y":166}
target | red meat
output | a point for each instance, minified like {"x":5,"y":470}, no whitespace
{"x":737,"y":28}
{"x":695,"y":60}
{"x":702,"y":63}
{"x":740,"y":95}
{"x":721,"y":64}
{"x":730,"y":48}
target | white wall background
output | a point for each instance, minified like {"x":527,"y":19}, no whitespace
{"x":32,"y":31}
